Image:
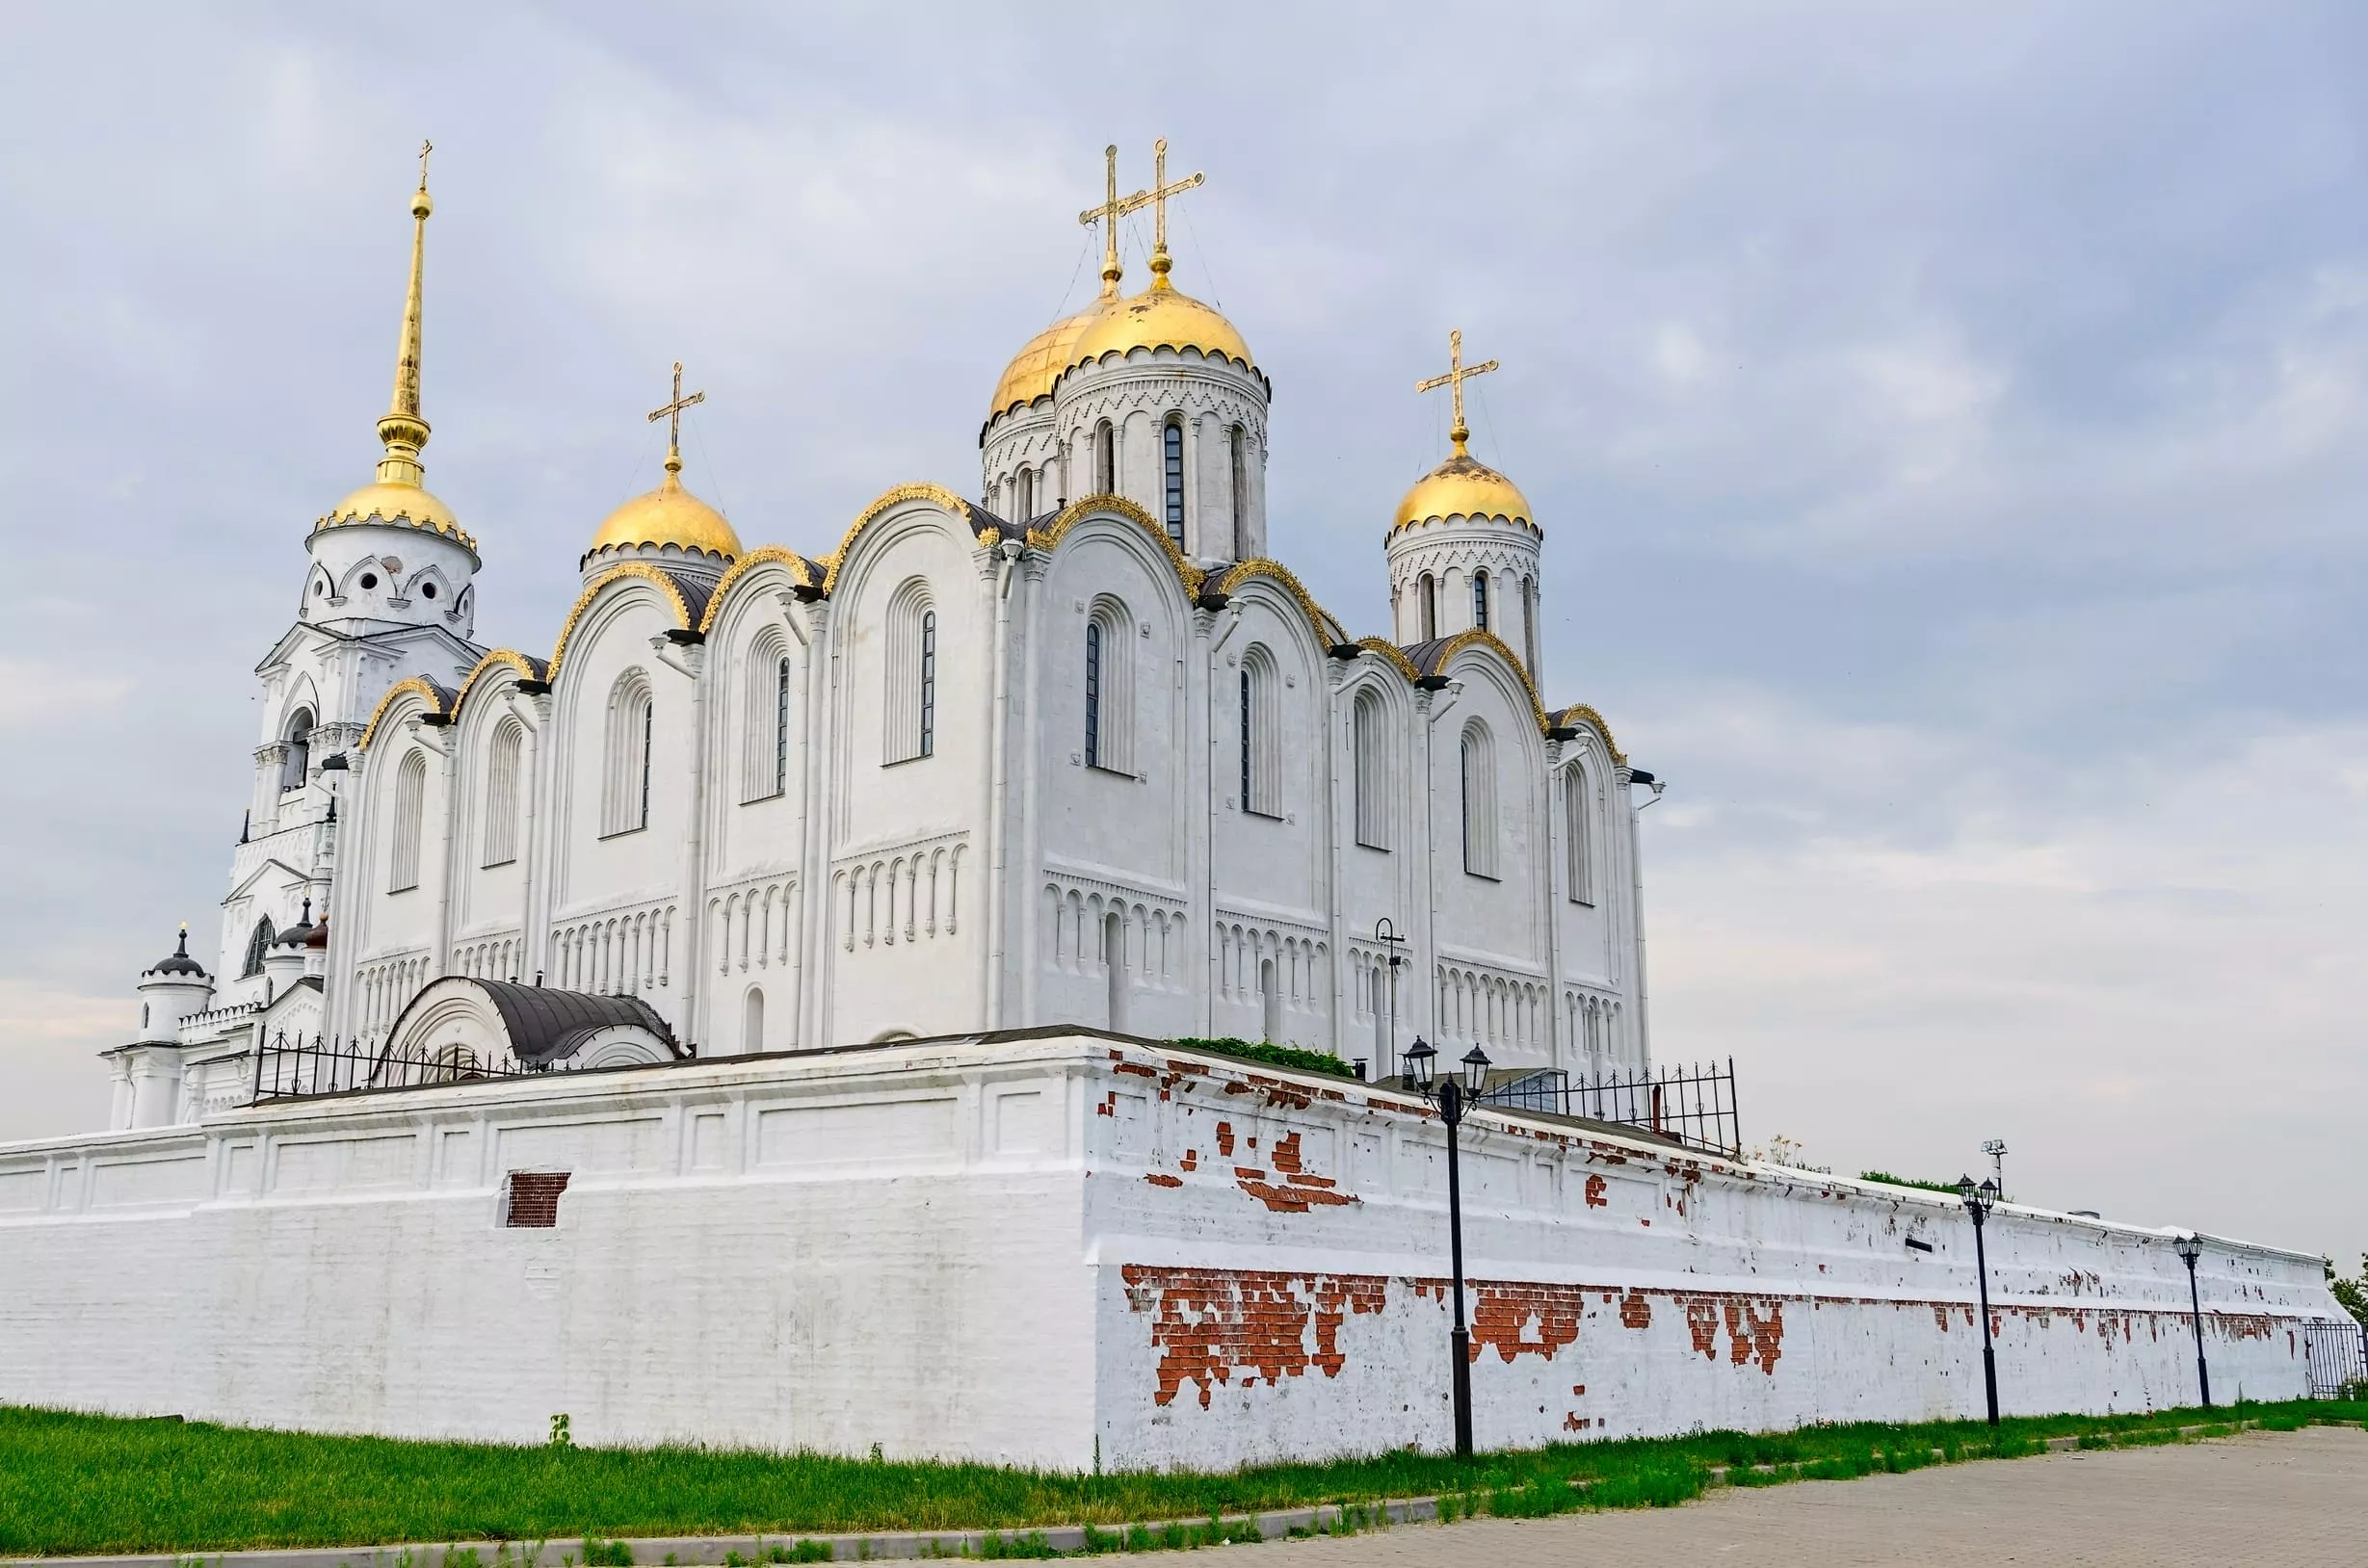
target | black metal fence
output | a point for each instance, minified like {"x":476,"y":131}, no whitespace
{"x":295,"y":1069}
{"x":1694,"y":1105}
{"x":2338,"y":1356}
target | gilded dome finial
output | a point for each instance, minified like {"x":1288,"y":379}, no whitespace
{"x":671,"y":413}
{"x":1457,"y":373}
{"x":404,"y":431}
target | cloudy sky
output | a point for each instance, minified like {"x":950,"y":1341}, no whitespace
{"x":1950,"y":428}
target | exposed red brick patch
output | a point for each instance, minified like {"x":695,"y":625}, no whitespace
{"x":1756,"y":1337}
{"x":1595,"y":1188}
{"x":1225,"y":1137}
{"x":1577,"y":1422}
{"x":1505,"y":1315}
{"x":1940,"y":1316}
{"x":1209,"y":1323}
{"x":1287,"y":1200}
{"x":1285,"y":1152}
{"x":1162,"y":1179}
{"x":1191,"y":1159}
{"x":1635,"y":1311}
{"x":1702,"y":1321}
{"x":1137,"y":1068}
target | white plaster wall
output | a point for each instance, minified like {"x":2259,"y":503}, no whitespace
{"x":1008,"y":1249}
{"x":1272,"y":1283}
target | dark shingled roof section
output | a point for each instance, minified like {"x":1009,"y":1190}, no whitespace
{"x":547,"y":1026}
{"x":981,"y":518}
{"x":180,"y":962}
{"x":1423,"y":655}
{"x":695,"y":593}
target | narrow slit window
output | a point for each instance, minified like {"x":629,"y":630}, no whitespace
{"x":1480,"y":600}
{"x":1094,"y":695}
{"x":1172,"y":437}
{"x":928,"y":683}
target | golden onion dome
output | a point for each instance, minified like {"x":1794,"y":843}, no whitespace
{"x":1463,"y":487}
{"x":1035,"y":367}
{"x":668,"y":515}
{"x":400,"y":504}
{"x":1160,"y":317}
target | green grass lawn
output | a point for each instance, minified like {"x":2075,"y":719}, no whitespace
{"x":72,"y":1483}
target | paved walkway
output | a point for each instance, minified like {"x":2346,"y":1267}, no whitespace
{"x":2286,"y":1497}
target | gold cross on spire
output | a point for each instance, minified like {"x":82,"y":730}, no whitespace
{"x":1157,"y":196}
{"x":671,"y":413}
{"x":1113,"y":208}
{"x":1457,"y":373}
{"x":426,"y":146}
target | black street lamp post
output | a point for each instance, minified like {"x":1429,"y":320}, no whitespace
{"x":1978,"y":1202}
{"x":2190,"y":1248}
{"x":1452,"y":1096}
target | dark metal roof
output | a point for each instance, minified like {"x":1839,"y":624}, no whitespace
{"x":178,"y":961}
{"x":547,"y":1026}
{"x":696,"y":592}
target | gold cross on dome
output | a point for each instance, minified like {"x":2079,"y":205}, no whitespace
{"x":1457,"y":373}
{"x":671,"y":413}
{"x":1157,"y":196}
{"x":1113,"y":208}
{"x":426,"y":146}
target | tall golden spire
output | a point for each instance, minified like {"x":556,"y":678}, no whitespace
{"x":1157,"y":197}
{"x":403,"y":430}
{"x":1457,"y":373}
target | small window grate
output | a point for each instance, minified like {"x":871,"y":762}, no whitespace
{"x":534,"y":1199}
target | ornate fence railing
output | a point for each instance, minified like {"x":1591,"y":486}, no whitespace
{"x":299,"y":1068}
{"x":1695,"y":1106}
{"x":2338,"y":1357}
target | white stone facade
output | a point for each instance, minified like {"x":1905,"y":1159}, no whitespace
{"x":1050,"y":1250}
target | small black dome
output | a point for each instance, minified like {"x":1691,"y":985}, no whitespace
{"x":180,"y":962}
{"x":294,"y":936}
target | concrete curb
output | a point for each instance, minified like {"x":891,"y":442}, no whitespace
{"x":757,"y":1551}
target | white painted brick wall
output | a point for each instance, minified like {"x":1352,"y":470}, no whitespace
{"x":1014,"y":1249}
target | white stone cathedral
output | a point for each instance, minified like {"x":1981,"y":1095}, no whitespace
{"x":1076,"y":752}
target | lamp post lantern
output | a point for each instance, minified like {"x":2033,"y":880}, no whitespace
{"x":1385,"y":932}
{"x":1978,"y":1203}
{"x":2190,"y":1247}
{"x":1453,"y":1095}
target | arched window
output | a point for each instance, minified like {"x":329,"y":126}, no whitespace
{"x":501,"y":834}
{"x":258,"y":942}
{"x":911,"y":674}
{"x":1027,"y":495}
{"x":1578,"y":822}
{"x":1529,"y":626}
{"x":1478,"y":801}
{"x":1239,"y":450}
{"x":411,"y":803}
{"x":1110,"y":688}
{"x":1480,"y":600}
{"x":299,"y":739}
{"x":928,"y":683}
{"x":780,"y":725}
{"x":1105,"y":460}
{"x":764,"y":736}
{"x":752,"y":1021}
{"x":1172,"y":439}
{"x":1429,"y":606}
{"x":632,"y":727}
{"x":1261,"y":734}
{"x":1094,"y":695}
{"x":1369,"y":743}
